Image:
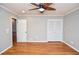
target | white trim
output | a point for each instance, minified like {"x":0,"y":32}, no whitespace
{"x":73,"y":10}
{"x":37,"y":41}
{"x":6,"y":49}
{"x":7,"y":9}
{"x":40,"y":15}
{"x":70,"y":46}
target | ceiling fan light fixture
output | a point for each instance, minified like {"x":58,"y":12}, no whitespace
{"x":41,"y":9}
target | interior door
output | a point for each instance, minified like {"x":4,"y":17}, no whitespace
{"x":54,"y":30}
{"x":22,"y":30}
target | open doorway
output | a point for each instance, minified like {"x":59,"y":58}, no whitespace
{"x":14,"y":31}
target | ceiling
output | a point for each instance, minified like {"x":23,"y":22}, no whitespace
{"x":61,"y":8}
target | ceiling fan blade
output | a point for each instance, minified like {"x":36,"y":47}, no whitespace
{"x":49,"y":8}
{"x":34,"y":9}
{"x":34,"y":4}
{"x":47,"y":4}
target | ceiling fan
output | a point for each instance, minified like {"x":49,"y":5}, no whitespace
{"x":42,"y":7}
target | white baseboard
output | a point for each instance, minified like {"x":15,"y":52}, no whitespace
{"x":37,"y":41}
{"x":71,"y":46}
{"x":6,"y":49}
{"x":40,"y":41}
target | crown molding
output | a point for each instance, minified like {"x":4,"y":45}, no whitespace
{"x":9,"y":10}
{"x":41,"y":15}
{"x":73,"y":10}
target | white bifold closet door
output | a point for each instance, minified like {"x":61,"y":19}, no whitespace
{"x":54,"y":30}
{"x":22,"y":30}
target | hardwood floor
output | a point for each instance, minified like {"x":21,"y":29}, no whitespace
{"x":45,"y":48}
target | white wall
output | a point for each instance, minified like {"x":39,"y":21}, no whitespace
{"x":5,"y":29}
{"x":71,"y":29}
{"x":37,"y":27}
